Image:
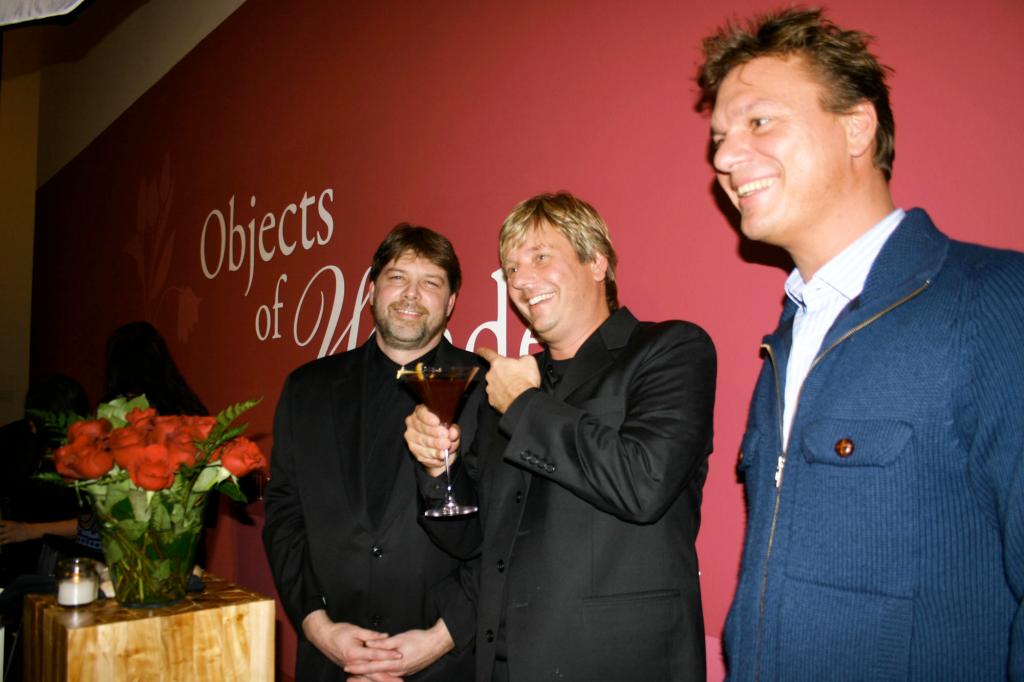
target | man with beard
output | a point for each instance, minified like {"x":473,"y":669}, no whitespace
{"x":589,"y":466}
{"x":350,"y":562}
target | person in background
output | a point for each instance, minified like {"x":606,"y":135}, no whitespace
{"x":884,"y":453}
{"x":589,"y":465}
{"x":33,"y":509}
{"x":138,"y":362}
{"x":367,"y":591}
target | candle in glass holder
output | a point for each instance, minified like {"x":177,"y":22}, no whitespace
{"x":77,"y":582}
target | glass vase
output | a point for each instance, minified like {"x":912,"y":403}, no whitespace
{"x":149,"y":542}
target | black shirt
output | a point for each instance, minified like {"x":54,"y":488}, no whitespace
{"x":387,"y":402}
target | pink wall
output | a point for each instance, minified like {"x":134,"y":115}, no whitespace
{"x":447,"y":114}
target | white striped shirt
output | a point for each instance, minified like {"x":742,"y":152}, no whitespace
{"x":821,"y":300}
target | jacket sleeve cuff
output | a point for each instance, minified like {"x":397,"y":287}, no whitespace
{"x":515,"y":411}
{"x":432,"y":488}
{"x":312,"y":603}
{"x":456,"y":609}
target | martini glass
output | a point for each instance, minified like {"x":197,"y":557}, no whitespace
{"x":441,"y":391}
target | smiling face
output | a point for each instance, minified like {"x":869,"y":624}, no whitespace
{"x":781,"y":158}
{"x":562,"y":299}
{"x":411,"y":303}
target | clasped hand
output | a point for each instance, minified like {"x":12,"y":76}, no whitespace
{"x":375,"y":656}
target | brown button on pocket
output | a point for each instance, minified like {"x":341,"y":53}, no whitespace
{"x":844,"y":447}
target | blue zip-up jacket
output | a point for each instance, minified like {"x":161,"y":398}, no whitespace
{"x":893,"y":546}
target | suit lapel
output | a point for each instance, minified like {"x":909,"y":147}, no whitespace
{"x":596,"y":353}
{"x":347,"y":415}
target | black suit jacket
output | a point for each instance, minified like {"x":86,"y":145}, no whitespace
{"x":324,"y":551}
{"x":590,"y":506}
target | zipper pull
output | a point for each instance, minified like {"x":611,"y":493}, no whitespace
{"x":778,"y":471}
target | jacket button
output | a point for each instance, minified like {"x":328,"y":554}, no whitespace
{"x":489,"y":635}
{"x":844,"y":447}
{"x":519,"y":496}
{"x":377,"y":552}
{"x":375,"y":621}
{"x":501,"y":566}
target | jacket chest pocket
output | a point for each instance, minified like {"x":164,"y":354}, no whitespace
{"x":851,"y":443}
{"x":849,"y":491}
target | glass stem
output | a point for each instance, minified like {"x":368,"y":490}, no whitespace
{"x":449,"y":499}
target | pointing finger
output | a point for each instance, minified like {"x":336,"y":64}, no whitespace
{"x":487,"y":354}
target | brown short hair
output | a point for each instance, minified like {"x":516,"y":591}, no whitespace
{"x":423,"y":242}
{"x":840,"y":59}
{"x":578,"y":221}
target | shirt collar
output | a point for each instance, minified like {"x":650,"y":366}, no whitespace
{"x":848,"y":270}
{"x":383,"y":364}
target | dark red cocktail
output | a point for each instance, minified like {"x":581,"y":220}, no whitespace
{"x":441,"y":390}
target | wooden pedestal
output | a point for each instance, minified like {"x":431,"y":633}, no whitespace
{"x":223,"y":633}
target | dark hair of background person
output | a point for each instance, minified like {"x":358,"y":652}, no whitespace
{"x":138,"y":362}
{"x":24,"y":443}
{"x":840,"y":60}
{"x":57,"y":393}
{"x":423,"y":242}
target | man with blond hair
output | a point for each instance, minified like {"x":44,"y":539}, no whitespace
{"x":884,"y":452}
{"x":588,"y":467}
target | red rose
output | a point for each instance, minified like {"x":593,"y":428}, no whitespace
{"x":128,"y":457}
{"x":177,"y":434}
{"x":83,"y":461}
{"x":148,"y":466}
{"x":199,"y":428}
{"x":90,"y":430}
{"x":126,"y":437}
{"x":142,"y":419}
{"x":241,"y":456}
{"x":164,"y":429}
{"x":86,"y":454}
{"x":181,"y":450}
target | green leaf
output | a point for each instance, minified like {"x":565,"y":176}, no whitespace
{"x":224,"y":419}
{"x":112,"y":552}
{"x":161,"y":569}
{"x":230,"y":488}
{"x":161,"y":516}
{"x":209,"y":477}
{"x":120,"y":510}
{"x":117,"y":409}
{"x":231,"y":412}
{"x":214,"y":442}
{"x":127,"y":529}
{"x":140,"y":504}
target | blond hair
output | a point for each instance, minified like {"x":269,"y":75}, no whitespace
{"x":576,"y":220}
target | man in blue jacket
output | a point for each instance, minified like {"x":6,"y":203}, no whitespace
{"x":884,"y":452}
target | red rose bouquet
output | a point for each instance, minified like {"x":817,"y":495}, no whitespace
{"x":147,"y":477}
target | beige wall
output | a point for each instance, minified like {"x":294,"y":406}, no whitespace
{"x":62,"y":86}
{"x":19,"y":113}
